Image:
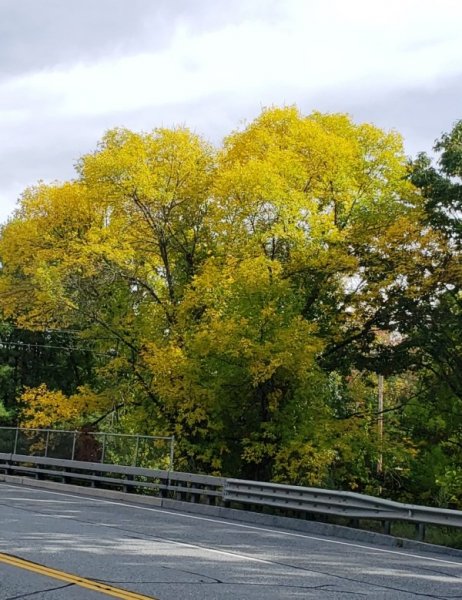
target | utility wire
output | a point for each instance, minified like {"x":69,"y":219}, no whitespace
{"x":45,"y":331}
{"x":30,"y":346}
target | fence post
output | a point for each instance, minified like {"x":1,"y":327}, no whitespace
{"x":74,"y":441}
{"x":47,"y":440}
{"x":103,"y":451}
{"x":15,"y":447}
{"x":172,"y":444}
{"x":136,"y":450}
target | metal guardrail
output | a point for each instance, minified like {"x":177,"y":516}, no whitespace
{"x":229,"y":492}
{"x":336,"y":503}
{"x":165,"y":484}
{"x":92,"y":446}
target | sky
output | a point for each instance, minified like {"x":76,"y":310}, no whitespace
{"x":71,"y":69}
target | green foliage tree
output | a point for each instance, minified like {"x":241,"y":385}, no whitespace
{"x":436,"y":329}
{"x":28,"y":358}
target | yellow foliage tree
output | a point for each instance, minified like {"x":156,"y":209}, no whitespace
{"x":43,"y":408}
{"x":216,"y":279}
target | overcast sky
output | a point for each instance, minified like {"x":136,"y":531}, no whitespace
{"x":70,"y":69}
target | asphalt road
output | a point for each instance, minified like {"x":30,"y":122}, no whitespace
{"x":170,"y":555}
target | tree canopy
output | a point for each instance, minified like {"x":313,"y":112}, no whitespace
{"x":244,"y":298}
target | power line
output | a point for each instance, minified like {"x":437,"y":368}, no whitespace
{"x":30,"y":346}
{"x":51,"y":331}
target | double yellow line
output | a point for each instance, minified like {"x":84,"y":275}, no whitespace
{"x":90,"y":584}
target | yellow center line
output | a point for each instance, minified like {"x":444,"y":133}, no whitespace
{"x":90,"y":584}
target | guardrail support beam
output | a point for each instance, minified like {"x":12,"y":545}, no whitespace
{"x":420,"y":531}
{"x":386,"y":525}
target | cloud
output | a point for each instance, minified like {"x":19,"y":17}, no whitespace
{"x":253,"y":59}
{"x":36,"y":35}
{"x":47,"y":33}
{"x":74,"y":69}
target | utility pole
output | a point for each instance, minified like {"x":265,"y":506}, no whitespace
{"x":380,"y":425}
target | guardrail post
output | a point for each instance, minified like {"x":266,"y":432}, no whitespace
{"x":420,"y":531}
{"x":386,"y":527}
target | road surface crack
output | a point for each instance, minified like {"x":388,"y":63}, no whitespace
{"x":438,"y":572}
{"x":30,"y":594}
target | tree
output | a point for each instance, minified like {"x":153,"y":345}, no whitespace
{"x":299,"y":201}
{"x":28,"y":358}
{"x":226,"y":285}
{"x":109,"y":254}
{"x":435,"y":331}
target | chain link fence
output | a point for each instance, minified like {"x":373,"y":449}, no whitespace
{"x":153,"y":452}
